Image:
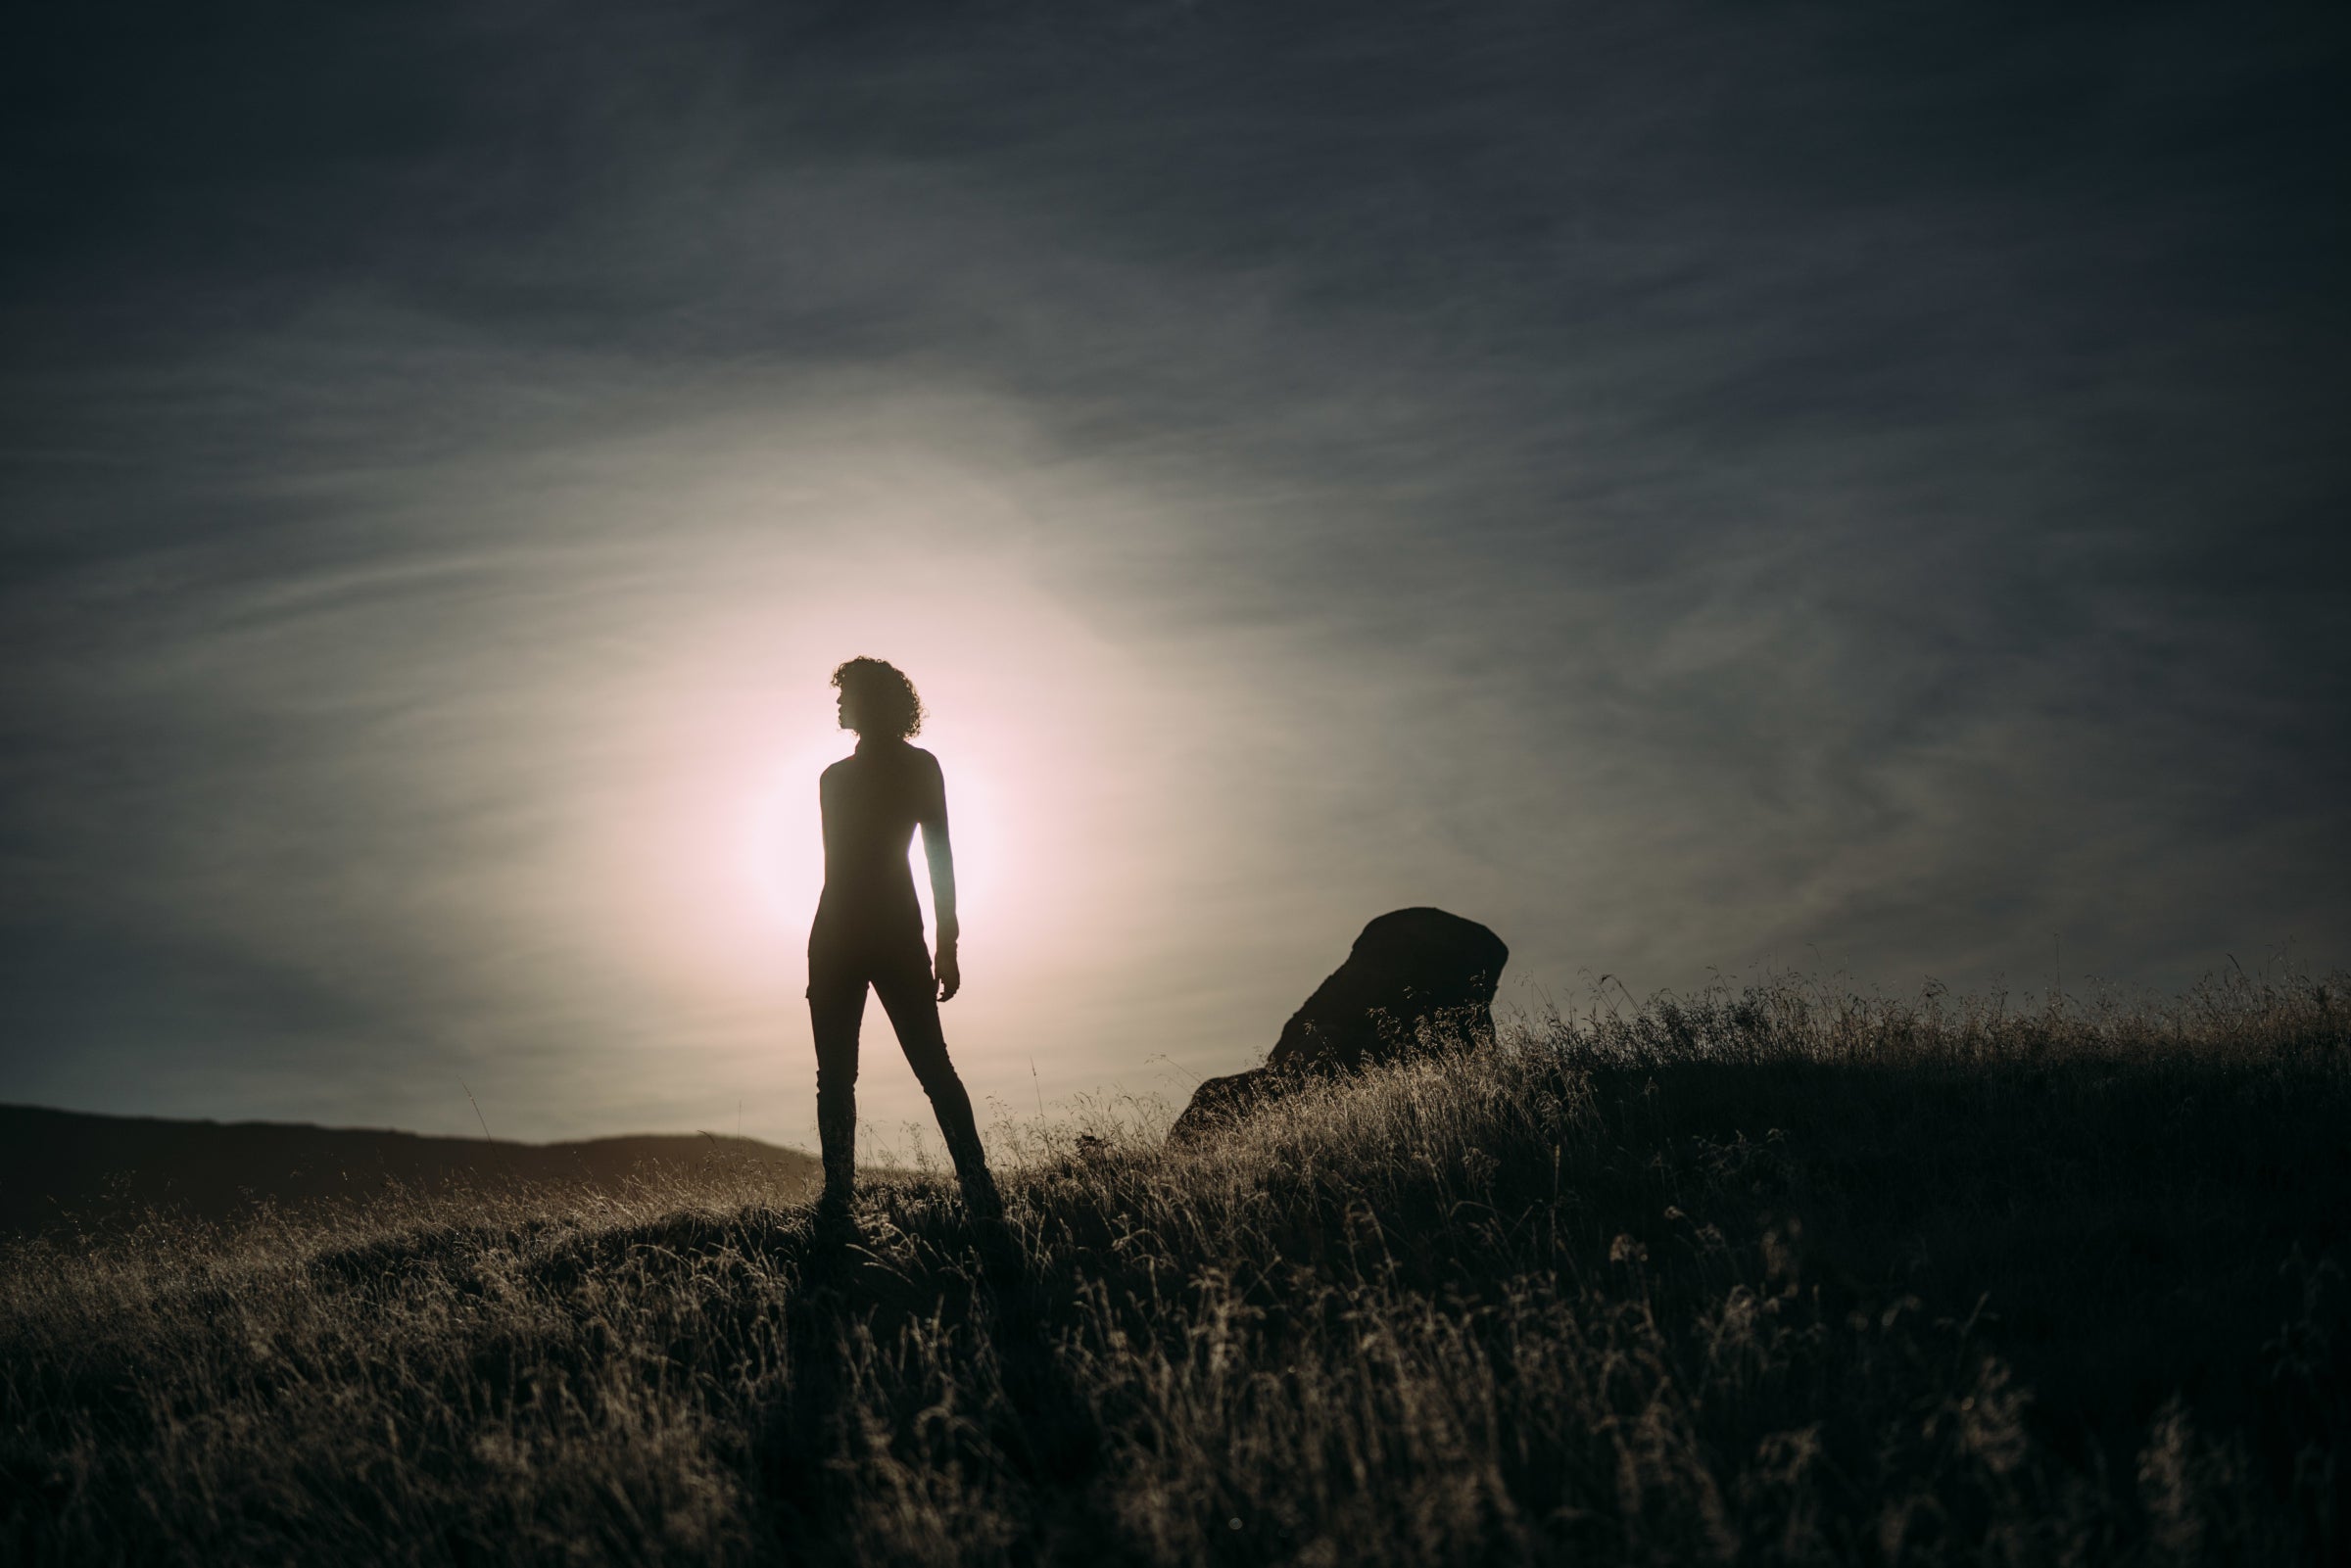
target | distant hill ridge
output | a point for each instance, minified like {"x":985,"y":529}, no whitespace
{"x":61,"y":1165}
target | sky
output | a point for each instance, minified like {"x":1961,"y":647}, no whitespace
{"x":1709,"y":490}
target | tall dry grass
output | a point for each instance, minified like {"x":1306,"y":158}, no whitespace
{"x":1782,"y":1275}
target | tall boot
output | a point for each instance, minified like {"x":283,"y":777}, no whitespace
{"x":979,"y":1194}
{"x":837,"y":1137}
{"x":962,"y":1138}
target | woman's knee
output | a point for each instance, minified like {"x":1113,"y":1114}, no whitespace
{"x":933,"y":1071}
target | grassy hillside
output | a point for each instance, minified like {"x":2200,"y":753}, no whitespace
{"x":69,"y":1169}
{"x":1774,"y":1278}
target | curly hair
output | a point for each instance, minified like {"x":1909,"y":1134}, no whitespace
{"x":886,"y":699}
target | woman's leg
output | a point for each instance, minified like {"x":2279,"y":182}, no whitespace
{"x":835,"y":1008}
{"x":911,"y":1000}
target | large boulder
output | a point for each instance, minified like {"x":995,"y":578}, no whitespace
{"x":1409,"y":967}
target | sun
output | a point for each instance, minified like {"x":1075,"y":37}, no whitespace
{"x":705,"y":854}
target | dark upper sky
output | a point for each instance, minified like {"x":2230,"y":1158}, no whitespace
{"x":1701,"y":487}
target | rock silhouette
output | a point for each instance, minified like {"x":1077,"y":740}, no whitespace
{"x":1410,"y":967}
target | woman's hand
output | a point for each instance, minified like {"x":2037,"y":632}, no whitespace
{"x":950,"y":972}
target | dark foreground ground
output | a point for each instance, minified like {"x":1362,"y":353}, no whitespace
{"x":1781,"y":1277}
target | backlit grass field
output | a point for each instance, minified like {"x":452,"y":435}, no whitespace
{"x":1776,"y":1276}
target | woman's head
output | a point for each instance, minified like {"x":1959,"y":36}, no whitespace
{"x":877,"y":700}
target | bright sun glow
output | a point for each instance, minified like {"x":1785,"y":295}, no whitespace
{"x":706,"y":829}
{"x":689,"y":715}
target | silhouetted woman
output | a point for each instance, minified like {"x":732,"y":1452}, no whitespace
{"x":869,"y":928}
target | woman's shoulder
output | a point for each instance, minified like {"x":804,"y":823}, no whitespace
{"x":897,"y":759}
{"x":926,"y":774}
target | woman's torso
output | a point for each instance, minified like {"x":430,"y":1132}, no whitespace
{"x":872,"y":801}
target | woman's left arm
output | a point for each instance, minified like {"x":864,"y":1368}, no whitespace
{"x":940,"y":853}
